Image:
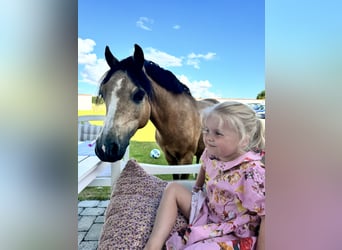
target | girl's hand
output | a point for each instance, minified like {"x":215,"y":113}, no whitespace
{"x":196,"y":189}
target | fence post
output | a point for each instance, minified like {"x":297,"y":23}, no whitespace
{"x":116,"y":168}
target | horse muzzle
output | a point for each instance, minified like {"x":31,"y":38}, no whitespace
{"x":110,"y":151}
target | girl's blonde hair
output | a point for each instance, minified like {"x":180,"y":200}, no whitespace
{"x":242,"y":119}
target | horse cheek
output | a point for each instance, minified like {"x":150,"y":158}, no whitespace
{"x":144,"y":114}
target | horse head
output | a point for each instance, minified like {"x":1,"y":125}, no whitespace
{"x":125,"y":90}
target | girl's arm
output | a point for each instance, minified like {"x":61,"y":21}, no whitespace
{"x":261,"y":237}
{"x":200,"y":179}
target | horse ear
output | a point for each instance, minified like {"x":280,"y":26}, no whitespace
{"x":111,"y":60}
{"x":138,"y":56}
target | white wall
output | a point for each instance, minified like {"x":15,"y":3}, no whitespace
{"x":84,"y":102}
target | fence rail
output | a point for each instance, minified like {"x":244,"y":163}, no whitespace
{"x":90,"y":132}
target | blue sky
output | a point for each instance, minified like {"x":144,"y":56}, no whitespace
{"x":217,"y":48}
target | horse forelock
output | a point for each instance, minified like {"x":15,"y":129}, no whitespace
{"x":136,"y":74}
{"x":165,"y":78}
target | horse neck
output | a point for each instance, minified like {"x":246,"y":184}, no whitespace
{"x":167,"y":108}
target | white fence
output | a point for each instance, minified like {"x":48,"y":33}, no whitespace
{"x":111,"y":172}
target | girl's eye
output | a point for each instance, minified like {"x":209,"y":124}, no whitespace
{"x":218,"y":133}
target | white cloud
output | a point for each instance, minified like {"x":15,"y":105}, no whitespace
{"x":93,"y":68}
{"x":176,"y":27}
{"x":193,"y":62}
{"x":208,"y":56}
{"x":93,"y":72}
{"x":162,"y":58}
{"x":85,"y":47}
{"x":199,"y":89}
{"x":195,"y":59}
{"x":145,"y":23}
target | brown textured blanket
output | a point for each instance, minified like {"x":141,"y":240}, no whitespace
{"x":132,"y":209}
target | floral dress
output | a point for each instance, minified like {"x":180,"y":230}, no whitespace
{"x":227,"y":216}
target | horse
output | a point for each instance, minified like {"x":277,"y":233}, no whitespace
{"x":135,"y":90}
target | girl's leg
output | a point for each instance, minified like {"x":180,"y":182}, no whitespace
{"x":174,"y":197}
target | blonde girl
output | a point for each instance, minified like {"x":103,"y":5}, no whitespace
{"x":229,"y":213}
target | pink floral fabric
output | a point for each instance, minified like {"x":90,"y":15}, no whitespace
{"x":230,"y":210}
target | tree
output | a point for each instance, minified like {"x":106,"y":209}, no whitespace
{"x":97,"y":100}
{"x":261,"y":95}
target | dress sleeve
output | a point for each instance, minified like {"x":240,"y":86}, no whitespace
{"x":204,"y":159}
{"x":252,"y":188}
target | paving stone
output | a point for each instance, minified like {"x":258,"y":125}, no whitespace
{"x":80,"y":236}
{"x":99,"y":219}
{"x":88,"y":203}
{"x":103,"y":203}
{"x":80,"y":209}
{"x":85,"y":223}
{"x":94,"y":232}
{"x":88,"y":245}
{"x":93,"y":211}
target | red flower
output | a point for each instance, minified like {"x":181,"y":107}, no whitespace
{"x":243,"y":244}
{"x":246,"y":243}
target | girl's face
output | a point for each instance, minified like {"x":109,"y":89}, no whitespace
{"x":221,"y":141}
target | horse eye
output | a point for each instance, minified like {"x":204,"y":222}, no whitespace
{"x":138,"y":96}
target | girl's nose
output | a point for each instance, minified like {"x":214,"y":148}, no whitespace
{"x":210,"y":138}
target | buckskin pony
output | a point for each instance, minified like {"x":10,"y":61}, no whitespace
{"x":136,"y":90}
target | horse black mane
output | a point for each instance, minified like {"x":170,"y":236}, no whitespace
{"x":164,"y":78}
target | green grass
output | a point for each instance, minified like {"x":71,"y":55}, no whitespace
{"x":141,"y":152}
{"x":95,"y":193}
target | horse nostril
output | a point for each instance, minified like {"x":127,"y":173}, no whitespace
{"x":113,"y":148}
{"x":108,"y":152}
